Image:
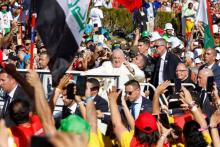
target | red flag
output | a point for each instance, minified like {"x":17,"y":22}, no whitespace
{"x":131,"y":5}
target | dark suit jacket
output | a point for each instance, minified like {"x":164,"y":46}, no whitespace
{"x":19,"y":94}
{"x":169,"y":72}
{"x":216,"y":72}
{"x":100,"y":104}
{"x":206,"y":107}
{"x":146,"y":105}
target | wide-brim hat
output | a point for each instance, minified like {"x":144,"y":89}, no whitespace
{"x":168,"y":26}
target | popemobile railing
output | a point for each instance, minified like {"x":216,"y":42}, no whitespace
{"x":106,"y":82}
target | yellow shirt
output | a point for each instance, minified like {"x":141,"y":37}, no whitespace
{"x":126,"y":138}
{"x":93,"y":141}
{"x":207,"y":137}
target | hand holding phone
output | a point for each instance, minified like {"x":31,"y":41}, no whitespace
{"x":210,"y":84}
{"x":177,"y":85}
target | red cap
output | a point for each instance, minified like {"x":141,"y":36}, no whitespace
{"x":146,"y":123}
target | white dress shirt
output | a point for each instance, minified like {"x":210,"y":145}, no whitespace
{"x":162,"y":61}
{"x":11,"y":94}
{"x":137,"y":107}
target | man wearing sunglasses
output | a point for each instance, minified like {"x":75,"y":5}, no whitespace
{"x":166,"y":64}
{"x":136,"y":103}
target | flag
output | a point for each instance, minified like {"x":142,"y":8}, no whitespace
{"x":204,"y":15}
{"x":61,"y":24}
{"x":131,"y":5}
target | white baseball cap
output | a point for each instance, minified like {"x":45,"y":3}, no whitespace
{"x":155,"y":36}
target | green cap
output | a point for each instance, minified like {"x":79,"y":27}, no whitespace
{"x":75,"y":124}
{"x":88,"y":39}
{"x":145,"y":34}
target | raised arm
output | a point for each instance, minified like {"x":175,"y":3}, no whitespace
{"x":118,"y":126}
{"x":41,"y":105}
{"x":159,"y":90}
{"x":58,"y":90}
{"x":196,"y":111}
{"x":128,"y":115}
{"x":215,"y":119}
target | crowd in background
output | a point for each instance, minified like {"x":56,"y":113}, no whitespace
{"x":98,"y":112}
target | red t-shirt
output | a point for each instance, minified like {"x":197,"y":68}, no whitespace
{"x":24,"y":132}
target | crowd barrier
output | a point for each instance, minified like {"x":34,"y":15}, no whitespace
{"x":113,"y":80}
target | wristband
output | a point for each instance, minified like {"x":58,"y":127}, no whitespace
{"x":191,"y":104}
{"x":88,"y":99}
{"x":203,"y":129}
{"x":212,"y":126}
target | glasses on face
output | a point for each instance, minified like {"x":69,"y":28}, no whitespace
{"x":128,"y":92}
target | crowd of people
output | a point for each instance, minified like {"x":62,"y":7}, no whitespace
{"x":98,"y":112}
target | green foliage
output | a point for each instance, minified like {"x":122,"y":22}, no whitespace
{"x":165,"y":17}
{"x":118,"y":19}
{"x":122,"y":19}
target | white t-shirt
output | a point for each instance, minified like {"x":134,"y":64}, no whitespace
{"x":96,"y":15}
{"x":5,"y":19}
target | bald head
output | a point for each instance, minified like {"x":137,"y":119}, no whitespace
{"x":118,"y":58}
{"x":203,"y":75}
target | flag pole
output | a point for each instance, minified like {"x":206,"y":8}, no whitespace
{"x":33,"y":25}
{"x":20,"y":27}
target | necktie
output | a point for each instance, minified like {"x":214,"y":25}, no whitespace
{"x":203,"y":97}
{"x":7,"y":102}
{"x":133,"y":110}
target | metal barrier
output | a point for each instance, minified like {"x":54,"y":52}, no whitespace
{"x":184,"y":84}
{"x":152,"y":86}
{"x":74,"y":73}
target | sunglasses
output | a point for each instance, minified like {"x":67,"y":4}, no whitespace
{"x":128,"y":92}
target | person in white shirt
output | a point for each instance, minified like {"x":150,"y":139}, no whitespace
{"x":119,"y":66}
{"x":5,"y":19}
{"x":96,"y":15}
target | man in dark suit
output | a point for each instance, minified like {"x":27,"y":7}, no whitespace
{"x":12,"y":91}
{"x":136,"y":103}
{"x":210,"y":56}
{"x":204,"y":98}
{"x":165,"y":65}
{"x":101,"y":104}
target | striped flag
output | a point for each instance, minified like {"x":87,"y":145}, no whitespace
{"x":204,"y":15}
{"x":61,"y":24}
